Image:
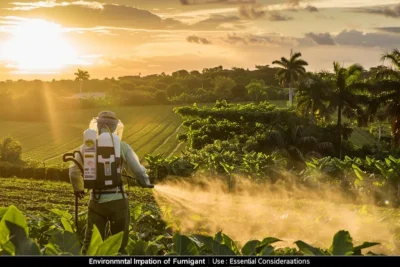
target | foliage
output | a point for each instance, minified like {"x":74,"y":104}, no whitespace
{"x":17,"y":238}
{"x":10,"y":149}
{"x":252,"y":127}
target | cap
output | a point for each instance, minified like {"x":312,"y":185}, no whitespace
{"x":107,"y":114}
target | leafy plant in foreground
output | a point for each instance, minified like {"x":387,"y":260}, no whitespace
{"x":16,"y":239}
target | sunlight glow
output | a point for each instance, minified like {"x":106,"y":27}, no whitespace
{"x":37,"y":45}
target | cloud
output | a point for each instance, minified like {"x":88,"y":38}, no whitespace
{"x":251,"y":12}
{"x":74,"y":15}
{"x":392,"y":11}
{"x":389,"y":29}
{"x":269,"y":39}
{"x":199,"y":2}
{"x":256,"y":12}
{"x":373,"y":39}
{"x":53,"y":3}
{"x":276,"y":16}
{"x":293,"y":3}
{"x":321,"y":38}
{"x":81,"y":14}
{"x":198,"y":40}
{"x":357,"y":38}
{"x":218,"y":22}
{"x":311,"y":8}
{"x":345,"y":38}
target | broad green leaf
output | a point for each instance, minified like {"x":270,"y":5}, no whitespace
{"x":14,"y":216}
{"x":7,"y":249}
{"x":342,"y":244}
{"x":153,"y":249}
{"x":111,"y":245}
{"x":359,"y":173}
{"x":357,"y":250}
{"x":137,"y":210}
{"x":307,"y":249}
{"x":184,"y":246}
{"x":197,"y":242}
{"x":64,"y":242}
{"x":62,"y":213}
{"x":394,"y":159}
{"x":218,"y":237}
{"x":160,"y":237}
{"x":214,"y":246}
{"x":22,"y":243}
{"x":266,"y":241}
{"x":207,"y":241}
{"x":67,"y":226}
{"x":51,"y":249}
{"x":383,"y":170}
{"x":267,"y":250}
{"x":230,"y":243}
{"x":221,"y":249}
{"x":95,"y":241}
{"x":136,"y":248}
{"x":249,"y":249}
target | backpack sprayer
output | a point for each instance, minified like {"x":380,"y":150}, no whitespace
{"x":102,"y":163}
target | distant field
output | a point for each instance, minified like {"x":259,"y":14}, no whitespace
{"x":148,"y":129}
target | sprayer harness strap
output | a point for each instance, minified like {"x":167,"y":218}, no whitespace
{"x":120,"y":186}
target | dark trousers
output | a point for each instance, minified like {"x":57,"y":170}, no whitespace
{"x":116,"y":213}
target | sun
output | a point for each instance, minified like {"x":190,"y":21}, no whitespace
{"x":38,"y":46}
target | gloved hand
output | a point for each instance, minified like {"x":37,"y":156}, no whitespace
{"x":79,"y":194}
{"x":146,"y":184}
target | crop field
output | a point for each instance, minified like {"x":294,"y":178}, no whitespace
{"x":35,"y":196}
{"x":147,"y":129}
{"x":284,"y":219}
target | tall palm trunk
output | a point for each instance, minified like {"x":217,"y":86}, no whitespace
{"x":290,"y":93}
{"x":291,"y":96}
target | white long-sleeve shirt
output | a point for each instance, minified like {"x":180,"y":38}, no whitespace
{"x":131,"y":163}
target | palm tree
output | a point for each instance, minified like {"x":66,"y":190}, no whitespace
{"x":390,"y":94}
{"x":291,"y":71}
{"x":81,"y":76}
{"x":313,"y":98}
{"x":346,"y":97}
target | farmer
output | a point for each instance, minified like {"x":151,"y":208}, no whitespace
{"x":110,"y":206}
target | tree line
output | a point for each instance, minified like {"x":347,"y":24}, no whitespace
{"x":352,"y":92}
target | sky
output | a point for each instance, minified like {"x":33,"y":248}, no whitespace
{"x":112,"y":38}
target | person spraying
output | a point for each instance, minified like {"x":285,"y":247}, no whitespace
{"x":103,"y":156}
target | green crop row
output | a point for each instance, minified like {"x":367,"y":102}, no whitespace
{"x":56,"y":234}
